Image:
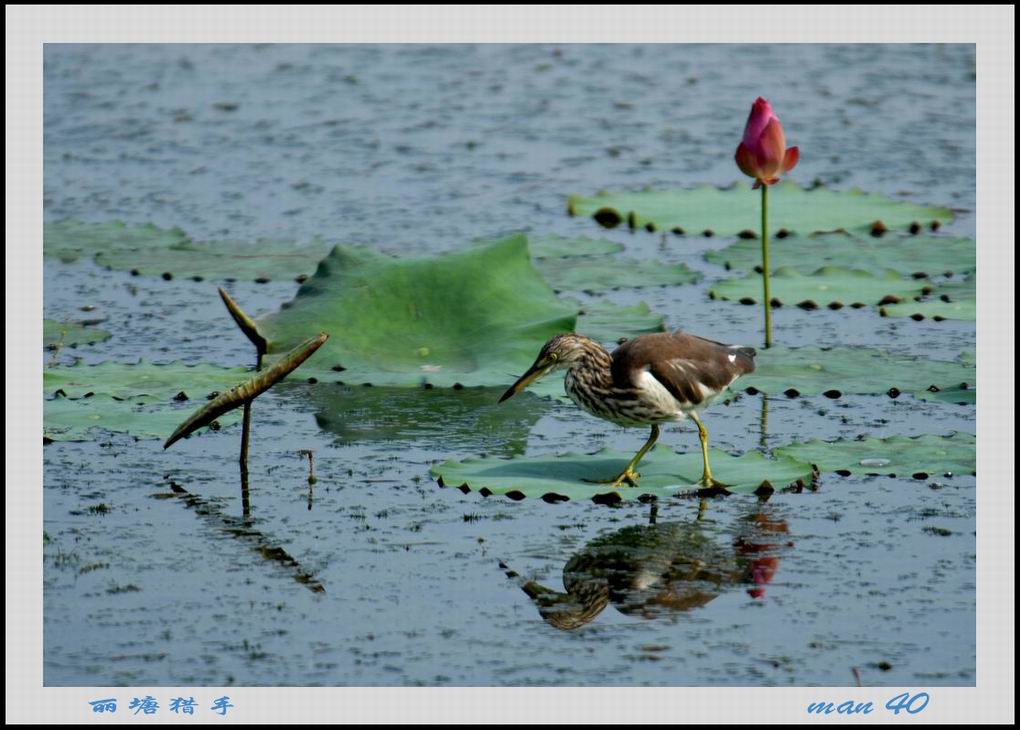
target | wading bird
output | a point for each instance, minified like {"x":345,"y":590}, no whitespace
{"x":651,"y":379}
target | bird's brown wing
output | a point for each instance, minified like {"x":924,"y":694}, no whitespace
{"x":686,"y":365}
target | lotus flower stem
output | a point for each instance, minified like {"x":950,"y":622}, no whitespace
{"x":765,"y":263}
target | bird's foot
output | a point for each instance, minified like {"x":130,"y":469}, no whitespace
{"x":628,"y":477}
{"x":709,"y":487}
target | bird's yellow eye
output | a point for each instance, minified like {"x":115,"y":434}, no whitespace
{"x":553,"y":357}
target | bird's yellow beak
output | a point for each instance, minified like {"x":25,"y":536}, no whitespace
{"x":535,"y":372}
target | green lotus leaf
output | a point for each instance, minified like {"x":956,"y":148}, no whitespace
{"x":70,"y":334}
{"x":150,"y":251}
{"x":923,"y":255}
{"x":730,"y":211}
{"x":964,"y":394}
{"x":77,"y":419}
{"x":552,"y":246}
{"x":144,"y":399}
{"x":472,"y":317}
{"x":153,"y":381}
{"x":71,"y":240}
{"x":829,"y":286}
{"x":602,"y":273}
{"x":849,"y":371}
{"x":471,"y":416}
{"x":949,"y":300}
{"x":663,"y":473}
{"x":262,"y":260}
{"x":918,"y":456}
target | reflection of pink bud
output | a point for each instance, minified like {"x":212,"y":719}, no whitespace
{"x":761,"y":571}
{"x":763,"y":154}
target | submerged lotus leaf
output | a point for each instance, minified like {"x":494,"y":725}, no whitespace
{"x":602,"y":273}
{"x":949,"y":300}
{"x":829,"y":286}
{"x":473,"y":317}
{"x":151,"y":251}
{"x":552,"y":246}
{"x":144,"y":400}
{"x":70,"y":334}
{"x":850,"y":371}
{"x":730,"y":211}
{"x":923,"y":255}
{"x":471,"y":416}
{"x":663,"y":473}
{"x":918,"y":456}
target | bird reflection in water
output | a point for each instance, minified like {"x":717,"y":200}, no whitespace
{"x":655,"y":570}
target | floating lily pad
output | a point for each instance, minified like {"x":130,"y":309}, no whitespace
{"x":919,"y":456}
{"x":829,"y":286}
{"x":156,"y":382}
{"x":77,"y":419}
{"x":730,"y":211}
{"x":849,"y":371}
{"x":70,"y":334}
{"x":469,"y":317}
{"x":964,"y":394}
{"x":71,"y":240}
{"x":144,"y":400}
{"x":552,"y":246}
{"x":922,"y":255}
{"x":663,"y":473}
{"x":150,"y":251}
{"x":602,"y":273}
{"x":950,"y":300}
{"x":469,"y":416}
{"x":262,"y":260}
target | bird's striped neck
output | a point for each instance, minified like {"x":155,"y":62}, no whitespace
{"x":591,"y":362}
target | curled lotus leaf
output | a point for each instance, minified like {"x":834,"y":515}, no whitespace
{"x":473,"y":317}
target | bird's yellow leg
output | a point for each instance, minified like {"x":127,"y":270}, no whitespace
{"x":706,"y":477}
{"x":628,"y":475}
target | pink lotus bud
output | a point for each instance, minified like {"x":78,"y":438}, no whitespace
{"x":763,"y":154}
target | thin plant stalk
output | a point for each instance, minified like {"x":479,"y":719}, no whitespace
{"x":245,"y":436}
{"x":765,"y":262}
